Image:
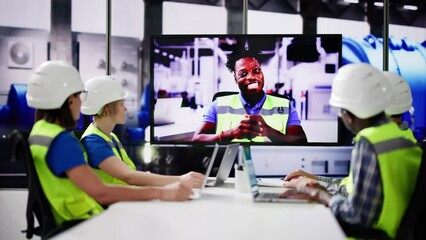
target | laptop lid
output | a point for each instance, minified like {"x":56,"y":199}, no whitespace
{"x":166,"y":110}
{"x":196,"y":193}
{"x":225,"y":165}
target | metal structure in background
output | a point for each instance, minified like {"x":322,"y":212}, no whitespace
{"x":245,"y":16}
{"x":60,"y":34}
{"x":386,"y":35}
{"x":108,"y":37}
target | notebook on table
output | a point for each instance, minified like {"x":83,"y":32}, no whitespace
{"x":196,"y":192}
{"x":254,"y":188}
{"x":225,"y":165}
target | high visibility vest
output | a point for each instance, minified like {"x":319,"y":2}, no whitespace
{"x":399,"y":158}
{"x":120,"y":153}
{"x":407,"y":133}
{"x":230,"y":112}
{"x":67,"y":201}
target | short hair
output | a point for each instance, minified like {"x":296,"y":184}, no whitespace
{"x":238,"y":53}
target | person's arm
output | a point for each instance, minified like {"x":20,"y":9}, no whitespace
{"x":364,"y":205}
{"x":69,"y":162}
{"x":101,"y":156}
{"x":118,"y":169}
{"x":206,"y":133}
{"x":84,"y":178}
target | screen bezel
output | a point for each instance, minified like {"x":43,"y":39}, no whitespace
{"x":340,"y":125}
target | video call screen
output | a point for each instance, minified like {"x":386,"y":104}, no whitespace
{"x":189,"y":72}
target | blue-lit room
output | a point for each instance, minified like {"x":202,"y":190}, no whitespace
{"x":219,"y":119}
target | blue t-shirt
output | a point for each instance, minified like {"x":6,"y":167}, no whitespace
{"x":211,"y":114}
{"x":97,"y":149}
{"x":65,"y":152}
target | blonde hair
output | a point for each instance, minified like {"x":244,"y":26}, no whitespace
{"x":112,"y":106}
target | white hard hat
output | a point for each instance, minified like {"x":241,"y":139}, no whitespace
{"x":361,"y":89}
{"x":101,"y":91}
{"x":51,"y":84}
{"x":402,"y":100}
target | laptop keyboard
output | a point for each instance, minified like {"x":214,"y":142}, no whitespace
{"x":267,"y":196}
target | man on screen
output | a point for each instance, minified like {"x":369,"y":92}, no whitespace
{"x":251,"y":115}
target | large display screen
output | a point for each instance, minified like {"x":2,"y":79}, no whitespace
{"x":206,"y":89}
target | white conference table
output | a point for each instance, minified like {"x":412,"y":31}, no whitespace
{"x":221,"y":213}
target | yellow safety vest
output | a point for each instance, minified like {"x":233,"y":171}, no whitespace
{"x":230,"y":112}
{"x":120,"y":153}
{"x":67,"y":201}
{"x":399,"y":158}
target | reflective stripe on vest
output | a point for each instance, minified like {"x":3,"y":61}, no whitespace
{"x":120,"y":153}
{"x":67,"y":201}
{"x":399,"y":160}
{"x":230,"y":112}
{"x":381,"y":147}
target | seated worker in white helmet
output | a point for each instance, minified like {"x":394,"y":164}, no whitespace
{"x":72,"y":188}
{"x":401,"y":102}
{"x":105,"y":101}
{"x":384,"y":161}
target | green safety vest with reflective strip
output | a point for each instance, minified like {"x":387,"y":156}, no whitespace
{"x":67,"y":201}
{"x":349,"y":184}
{"x":230,"y":112}
{"x":120,"y":153}
{"x":399,"y":158}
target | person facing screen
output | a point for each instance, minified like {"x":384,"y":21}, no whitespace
{"x":73,"y":189}
{"x":251,"y":115}
{"x":382,"y":151}
{"x":106,"y":155}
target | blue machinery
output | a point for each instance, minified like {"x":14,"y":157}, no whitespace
{"x":406,"y":58}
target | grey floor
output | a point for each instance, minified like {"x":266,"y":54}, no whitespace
{"x":12,"y":214}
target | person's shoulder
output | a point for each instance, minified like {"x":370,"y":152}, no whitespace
{"x":92,"y":138}
{"x":66,"y":136}
{"x":276,"y":95}
{"x":65,"y":139}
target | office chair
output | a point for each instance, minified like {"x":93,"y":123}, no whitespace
{"x":413,"y":223}
{"x":221,"y":94}
{"x":362,"y":232}
{"x":37,"y":203}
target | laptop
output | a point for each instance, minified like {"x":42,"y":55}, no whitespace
{"x":225,"y":165}
{"x":262,"y":196}
{"x":166,"y":110}
{"x":196,"y":192}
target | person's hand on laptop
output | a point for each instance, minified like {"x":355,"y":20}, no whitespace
{"x":299,"y":182}
{"x":299,"y":173}
{"x":193,"y":179}
{"x":311,"y":193}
